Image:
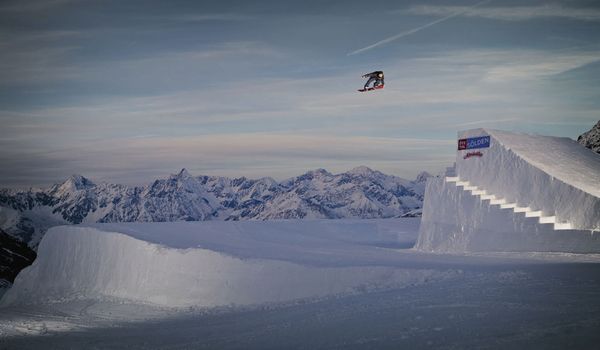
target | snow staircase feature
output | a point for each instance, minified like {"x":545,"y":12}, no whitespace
{"x":520,"y":193}
{"x":496,"y":200}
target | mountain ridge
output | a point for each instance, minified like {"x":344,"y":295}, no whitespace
{"x":317,"y":194}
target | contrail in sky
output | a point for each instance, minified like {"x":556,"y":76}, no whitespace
{"x":412,"y":31}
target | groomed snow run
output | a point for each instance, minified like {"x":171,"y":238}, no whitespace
{"x":207,"y":264}
{"x":522,"y":193}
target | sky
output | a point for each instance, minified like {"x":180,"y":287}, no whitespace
{"x":129,"y":91}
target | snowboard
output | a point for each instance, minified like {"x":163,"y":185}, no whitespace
{"x":371,"y":88}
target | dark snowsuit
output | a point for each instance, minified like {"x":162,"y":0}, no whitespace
{"x":376,"y":76}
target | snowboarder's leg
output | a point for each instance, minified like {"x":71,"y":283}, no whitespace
{"x":369,"y":82}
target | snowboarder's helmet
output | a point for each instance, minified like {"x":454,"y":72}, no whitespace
{"x":380,"y":75}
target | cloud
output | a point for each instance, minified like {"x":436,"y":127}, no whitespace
{"x":460,"y":79}
{"x":515,"y":13}
{"x":209,"y":17}
{"x":30,"y":60}
{"x":32,"y":5}
{"x":544,"y":67}
{"x":446,"y":17}
{"x":518,"y":64}
{"x":35,"y":56}
{"x":256,"y":155}
{"x":36,"y":65}
{"x":284,"y":126}
{"x":301,"y":103}
{"x":14,"y":40}
{"x":486,"y":122}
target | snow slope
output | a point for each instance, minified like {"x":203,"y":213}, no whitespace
{"x":523,"y":193}
{"x":207,"y":264}
{"x":113,"y":286}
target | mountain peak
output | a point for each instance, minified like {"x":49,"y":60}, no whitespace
{"x":316,"y":173}
{"x":319,"y":171}
{"x":591,"y":138}
{"x":362,"y":170}
{"x":183,"y":173}
{"x":77,"y":182}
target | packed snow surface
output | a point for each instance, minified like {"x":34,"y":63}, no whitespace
{"x":364,"y":288}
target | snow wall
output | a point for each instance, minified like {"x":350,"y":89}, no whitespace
{"x":79,"y":262}
{"x":522,"y":193}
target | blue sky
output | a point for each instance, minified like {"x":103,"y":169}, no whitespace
{"x":127,"y":91}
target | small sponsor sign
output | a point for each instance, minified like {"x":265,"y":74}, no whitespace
{"x":473,"y":154}
{"x":474,"y":142}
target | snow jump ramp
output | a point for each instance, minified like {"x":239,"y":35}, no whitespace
{"x":514,"y":192}
{"x":215,"y":263}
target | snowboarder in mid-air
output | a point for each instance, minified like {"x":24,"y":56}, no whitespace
{"x":376,"y":77}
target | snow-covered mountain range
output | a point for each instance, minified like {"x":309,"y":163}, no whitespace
{"x":591,"y":138}
{"x":358,"y":193}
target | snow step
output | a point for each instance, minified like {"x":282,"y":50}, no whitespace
{"x":562,"y":226}
{"x":487,"y":197}
{"x":547,"y":219}
{"x":462,"y":183}
{"x":521,"y":209}
{"x":508,"y":205}
{"x":498,"y":202}
{"x":452,"y":179}
{"x":478,"y":192}
{"x":533,"y":214}
{"x":470,"y":188}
